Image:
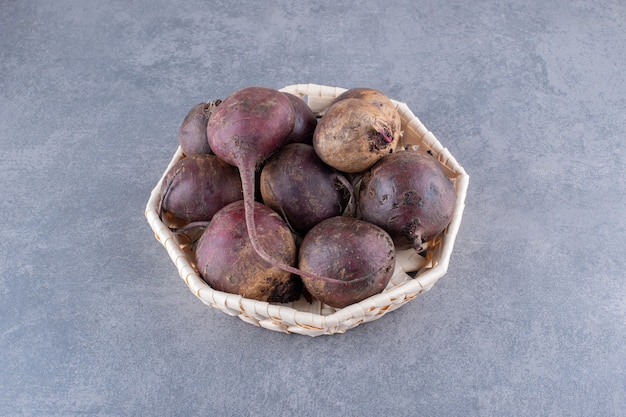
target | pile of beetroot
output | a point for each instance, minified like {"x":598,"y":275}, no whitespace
{"x":289,"y":204}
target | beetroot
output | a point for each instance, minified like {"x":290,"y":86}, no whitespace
{"x":407,"y":194}
{"x":304,"y":123}
{"x":250,"y":125}
{"x":197,"y":186}
{"x":192,"y":133}
{"x":297,"y":184}
{"x":354,"y":134}
{"x":358,"y":256}
{"x":227,"y":261}
{"x":378,"y":99}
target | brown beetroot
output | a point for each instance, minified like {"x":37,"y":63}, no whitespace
{"x":354,"y":134}
{"x":297,"y":184}
{"x":408,"y":194}
{"x":192,"y":133}
{"x":357,"y":256}
{"x":378,"y":99}
{"x":197,"y":186}
{"x":227,"y":261}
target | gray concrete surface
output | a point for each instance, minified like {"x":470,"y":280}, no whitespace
{"x":530,"y":96}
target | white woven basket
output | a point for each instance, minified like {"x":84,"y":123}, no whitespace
{"x":314,"y":319}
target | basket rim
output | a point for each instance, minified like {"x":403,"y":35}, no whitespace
{"x":288,"y":318}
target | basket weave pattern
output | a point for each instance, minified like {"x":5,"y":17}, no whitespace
{"x":314,"y":319}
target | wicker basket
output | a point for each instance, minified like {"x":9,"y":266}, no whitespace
{"x":413,"y":273}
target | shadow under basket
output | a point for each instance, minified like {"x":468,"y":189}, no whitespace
{"x":414,"y":273}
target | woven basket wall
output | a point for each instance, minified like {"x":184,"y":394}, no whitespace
{"x":314,"y":319}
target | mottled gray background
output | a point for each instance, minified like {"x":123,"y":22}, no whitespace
{"x":530,"y":97}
